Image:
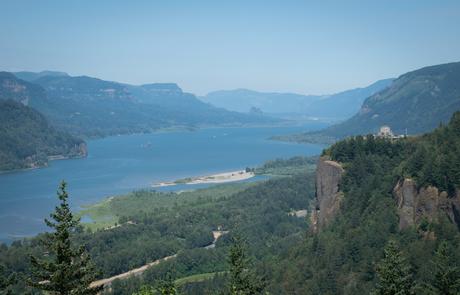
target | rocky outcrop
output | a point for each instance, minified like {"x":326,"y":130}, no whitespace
{"x":426,"y":203}
{"x":82,"y":150}
{"x":328,"y":196}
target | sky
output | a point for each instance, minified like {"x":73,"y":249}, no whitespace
{"x":309,"y":47}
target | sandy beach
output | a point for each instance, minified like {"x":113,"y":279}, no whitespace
{"x":214,"y":178}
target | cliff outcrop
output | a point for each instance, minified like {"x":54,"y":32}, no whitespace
{"x":427,"y":203}
{"x":328,"y":196}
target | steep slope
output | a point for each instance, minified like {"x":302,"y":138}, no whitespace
{"x":28,"y":141}
{"x":345,"y":104}
{"x":339,"y":106}
{"x":405,"y":190}
{"x":19,"y":90}
{"x":90,"y":107}
{"x":416,"y":102}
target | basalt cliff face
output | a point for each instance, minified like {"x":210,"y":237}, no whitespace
{"x":328,"y":195}
{"x":427,"y":203}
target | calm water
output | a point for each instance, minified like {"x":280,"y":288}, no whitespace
{"x":120,"y":164}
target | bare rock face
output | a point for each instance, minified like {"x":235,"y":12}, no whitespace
{"x":415,"y":205}
{"x":328,"y":196}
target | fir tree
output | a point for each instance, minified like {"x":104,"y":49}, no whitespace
{"x":447,"y":275}
{"x":393,"y":273}
{"x":242,"y":280}
{"x":64,"y":269}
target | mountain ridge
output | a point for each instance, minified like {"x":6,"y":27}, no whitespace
{"x":416,"y":102}
{"x":338,"y":105}
{"x":92,"y":107}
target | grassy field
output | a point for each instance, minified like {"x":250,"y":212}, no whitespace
{"x":196,"y":278}
{"x":107,"y":213}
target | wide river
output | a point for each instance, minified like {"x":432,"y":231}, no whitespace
{"x":120,"y":164}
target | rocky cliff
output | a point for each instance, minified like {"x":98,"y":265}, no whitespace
{"x":427,"y":203}
{"x":328,"y":196}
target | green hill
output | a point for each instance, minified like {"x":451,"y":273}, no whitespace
{"x":415,"y":103}
{"x":27,"y":140}
{"x":93,"y":107}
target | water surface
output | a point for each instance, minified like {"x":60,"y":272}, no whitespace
{"x":120,"y":164}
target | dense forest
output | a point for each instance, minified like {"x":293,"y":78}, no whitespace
{"x":343,"y":258}
{"x":27,"y":140}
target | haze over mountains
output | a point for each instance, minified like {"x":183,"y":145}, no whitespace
{"x":337,"y":106}
{"x":91,"y":107}
{"x":415,"y":103}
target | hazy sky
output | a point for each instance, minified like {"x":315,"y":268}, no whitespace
{"x":311,"y":47}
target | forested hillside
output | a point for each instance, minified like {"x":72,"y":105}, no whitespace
{"x":415,"y":103}
{"x":27,"y":139}
{"x":92,"y":107}
{"x":344,"y":257}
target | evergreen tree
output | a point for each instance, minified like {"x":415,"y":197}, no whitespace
{"x":64,"y":269}
{"x":393,"y":273}
{"x":242,"y":280}
{"x":447,"y":275}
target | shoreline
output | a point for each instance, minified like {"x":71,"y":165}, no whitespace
{"x":222,"y":177}
{"x":45,"y":165}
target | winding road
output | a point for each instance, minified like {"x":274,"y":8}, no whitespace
{"x":140,"y":270}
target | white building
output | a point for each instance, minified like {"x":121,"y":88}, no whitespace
{"x":385,"y":131}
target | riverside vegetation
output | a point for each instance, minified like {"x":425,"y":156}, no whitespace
{"x":362,"y":250}
{"x":28,"y":140}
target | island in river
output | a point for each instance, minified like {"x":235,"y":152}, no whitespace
{"x":214,"y":178}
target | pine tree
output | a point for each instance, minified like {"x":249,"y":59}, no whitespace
{"x":242,"y":280}
{"x":393,"y":273}
{"x":447,"y":274}
{"x":64,"y":269}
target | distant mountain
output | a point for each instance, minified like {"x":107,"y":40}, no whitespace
{"x":345,"y":104}
{"x":337,"y":106}
{"x":91,"y":107}
{"x":416,"y":102}
{"x":242,"y":100}
{"x":28,"y":141}
{"x":19,"y":90}
{"x":31,"y":76}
